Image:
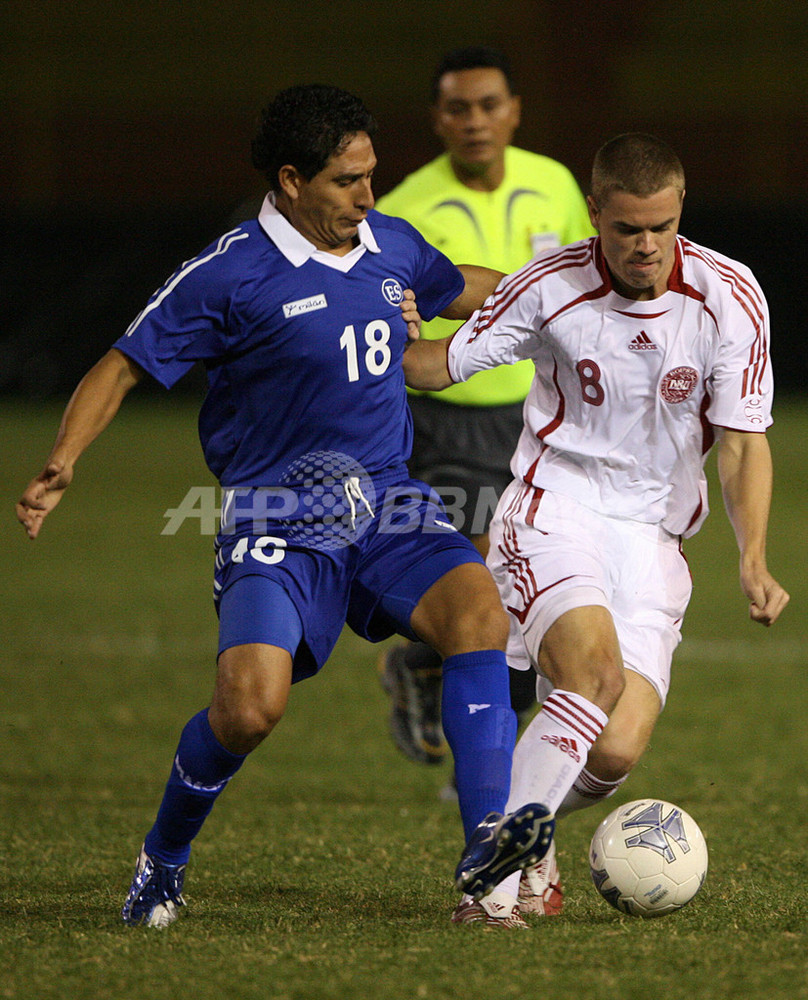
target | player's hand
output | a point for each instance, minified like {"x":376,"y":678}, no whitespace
{"x":409,"y":310}
{"x":766,"y":597}
{"x":42,"y":494}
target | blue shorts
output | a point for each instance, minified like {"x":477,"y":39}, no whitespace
{"x":297,"y":589}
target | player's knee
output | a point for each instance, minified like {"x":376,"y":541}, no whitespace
{"x":242,"y":726}
{"x":253,"y":727}
{"x":482,"y":624}
{"x":601,"y":683}
{"x":494,"y":623}
{"x":614,"y":761}
{"x":260,"y":720}
{"x":462,"y":613}
{"x":250,"y":696}
{"x":591,"y":668}
{"x":611,"y":682}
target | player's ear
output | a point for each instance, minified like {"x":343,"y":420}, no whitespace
{"x":517,"y":110}
{"x":291,"y":181}
{"x":594,"y":211}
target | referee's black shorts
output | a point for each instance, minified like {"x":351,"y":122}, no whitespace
{"x":464,"y":452}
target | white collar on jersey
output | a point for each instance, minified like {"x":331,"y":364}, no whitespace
{"x":297,"y":249}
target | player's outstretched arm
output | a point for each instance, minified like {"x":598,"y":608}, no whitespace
{"x":480,"y":283}
{"x":745,"y":470}
{"x":92,"y":406}
{"x":426,"y":364}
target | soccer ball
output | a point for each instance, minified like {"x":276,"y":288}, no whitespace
{"x":648,"y":858}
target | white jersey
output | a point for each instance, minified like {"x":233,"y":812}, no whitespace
{"x":626,"y":393}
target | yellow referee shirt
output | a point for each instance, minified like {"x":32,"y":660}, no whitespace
{"x":537,"y":206}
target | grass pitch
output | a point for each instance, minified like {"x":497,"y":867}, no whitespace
{"x":325,"y":870}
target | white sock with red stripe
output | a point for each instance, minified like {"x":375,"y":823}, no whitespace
{"x":552,"y":751}
{"x":586,"y":790}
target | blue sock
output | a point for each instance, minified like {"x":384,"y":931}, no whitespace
{"x":480,"y":727}
{"x":202,"y":767}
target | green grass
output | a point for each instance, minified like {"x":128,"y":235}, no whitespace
{"x":324,"y":871}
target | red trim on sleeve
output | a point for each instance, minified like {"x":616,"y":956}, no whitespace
{"x":448,"y":370}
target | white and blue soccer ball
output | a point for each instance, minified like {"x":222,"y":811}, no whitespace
{"x":648,"y":858}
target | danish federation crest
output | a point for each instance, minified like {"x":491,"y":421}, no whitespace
{"x":392,"y":291}
{"x":678,"y":384}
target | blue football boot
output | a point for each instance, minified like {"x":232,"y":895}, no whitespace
{"x":503,"y":844}
{"x":156,"y":893}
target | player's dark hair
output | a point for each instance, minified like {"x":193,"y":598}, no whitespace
{"x":305,"y":126}
{"x":637,"y":163}
{"x":471,"y":57}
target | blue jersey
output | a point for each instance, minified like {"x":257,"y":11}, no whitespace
{"x":302,"y":348}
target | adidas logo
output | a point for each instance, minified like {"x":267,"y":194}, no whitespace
{"x":642,"y":342}
{"x":566,"y":745}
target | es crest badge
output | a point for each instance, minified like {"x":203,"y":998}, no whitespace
{"x":392,"y":291}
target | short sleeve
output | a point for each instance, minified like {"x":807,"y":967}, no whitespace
{"x":185,"y":320}
{"x":439,"y":282}
{"x":434,"y":278}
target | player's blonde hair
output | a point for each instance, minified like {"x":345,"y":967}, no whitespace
{"x":636,"y":163}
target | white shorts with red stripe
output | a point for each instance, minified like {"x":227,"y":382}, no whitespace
{"x":550,"y":554}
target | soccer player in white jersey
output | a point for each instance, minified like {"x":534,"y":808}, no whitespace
{"x":488,"y":202}
{"x":296,"y":317}
{"x":647,"y":348}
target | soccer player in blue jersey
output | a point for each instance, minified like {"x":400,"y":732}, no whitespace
{"x":297,"y":317}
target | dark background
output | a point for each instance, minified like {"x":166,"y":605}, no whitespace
{"x":126,"y":133}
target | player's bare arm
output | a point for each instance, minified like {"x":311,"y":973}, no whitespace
{"x":425,"y":361}
{"x":480,"y":283}
{"x":426,"y":364}
{"x":92,"y":406}
{"x":745,"y":471}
